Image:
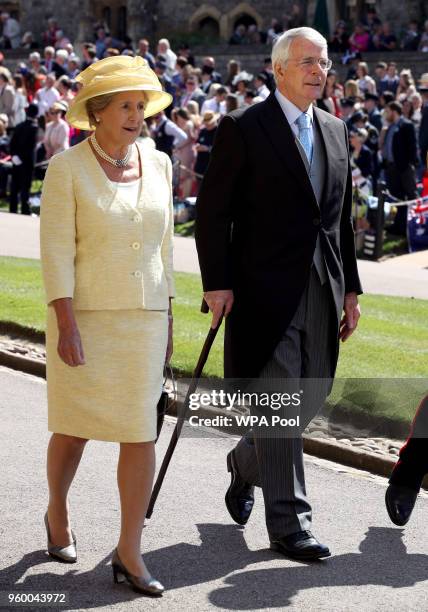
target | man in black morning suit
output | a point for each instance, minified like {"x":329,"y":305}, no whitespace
{"x":276,"y":249}
{"x":23,"y":145}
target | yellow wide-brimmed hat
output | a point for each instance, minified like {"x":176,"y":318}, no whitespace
{"x":113,"y":75}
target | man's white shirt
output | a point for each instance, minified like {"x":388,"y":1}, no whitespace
{"x":263,"y":92}
{"x":172,"y":129}
{"x":292,"y":112}
{"x":46,"y":98}
{"x":213,"y":105}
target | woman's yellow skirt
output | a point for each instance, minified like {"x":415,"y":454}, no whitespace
{"x":113,"y":397}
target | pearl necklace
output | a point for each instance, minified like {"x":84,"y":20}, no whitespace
{"x":119,"y":163}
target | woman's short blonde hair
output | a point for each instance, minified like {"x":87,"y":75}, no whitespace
{"x":364,"y":67}
{"x":193,"y":107}
{"x":351,"y":89}
{"x":99,"y":103}
{"x":145,"y":132}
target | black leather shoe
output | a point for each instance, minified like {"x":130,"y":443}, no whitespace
{"x":301,"y":545}
{"x":240,"y":495}
{"x":400,"y":502}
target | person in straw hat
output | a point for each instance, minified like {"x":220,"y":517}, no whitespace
{"x":106,"y":251}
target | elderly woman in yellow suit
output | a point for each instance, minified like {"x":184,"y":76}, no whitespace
{"x":106,"y":249}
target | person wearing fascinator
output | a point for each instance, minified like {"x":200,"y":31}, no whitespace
{"x":106,"y":249}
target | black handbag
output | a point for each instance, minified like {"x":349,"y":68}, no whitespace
{"x":162,"y":408}
{"x":165,"y":400}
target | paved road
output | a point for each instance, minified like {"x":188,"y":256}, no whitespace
{"x":405,"y":276}
{"x":205,"y":561}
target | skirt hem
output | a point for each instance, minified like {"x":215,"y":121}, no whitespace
{"x":98,"y":437}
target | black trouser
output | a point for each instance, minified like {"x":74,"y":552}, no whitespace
{"x":402,"y":185}
{"x":21,"y":184}
{"x":412,"y":464}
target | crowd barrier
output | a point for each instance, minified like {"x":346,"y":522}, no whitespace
{"x":417,"y":223}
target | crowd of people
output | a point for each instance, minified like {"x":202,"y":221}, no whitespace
{"x":386,"y":112}
{"x":373,"y":34}
{"x":369,"y":34}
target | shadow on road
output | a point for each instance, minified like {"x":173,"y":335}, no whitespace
{"x":382,"y":560}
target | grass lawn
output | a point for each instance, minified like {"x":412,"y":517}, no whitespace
{"x":391,"y":342}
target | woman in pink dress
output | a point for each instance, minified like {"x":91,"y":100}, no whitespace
{"x":185,"y":154}
{"x":359,"y":39}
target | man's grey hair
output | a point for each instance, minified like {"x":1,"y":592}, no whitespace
{"x":281,"y":47}
{"x":164,"y":41}
{"x":62,"y":53}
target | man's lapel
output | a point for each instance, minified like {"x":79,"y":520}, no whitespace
{"x":333,"y":150}
{"x":283,"y":142}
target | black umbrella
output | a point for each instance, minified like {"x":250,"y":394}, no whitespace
{"x":180,"y":419}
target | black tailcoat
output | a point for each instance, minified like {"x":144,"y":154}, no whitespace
{"x":257,"y":223}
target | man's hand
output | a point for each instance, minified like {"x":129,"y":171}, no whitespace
{"x":349,"y":321}
{"x":217,"y":302}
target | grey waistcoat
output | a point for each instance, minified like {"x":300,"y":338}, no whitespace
{"x":316,"y":175}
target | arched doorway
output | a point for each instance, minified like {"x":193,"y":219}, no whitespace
{"x":106,"y":17}
{"x":245,"y":20}
{"x":122,"y":22}
{"x":209,"y":28}
{"x":113,"y":15}
{"x":243,"y":14}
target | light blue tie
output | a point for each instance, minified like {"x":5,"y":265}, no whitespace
{"x":303,"y":122}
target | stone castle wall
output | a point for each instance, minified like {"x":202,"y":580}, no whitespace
{"x":178,"y":17}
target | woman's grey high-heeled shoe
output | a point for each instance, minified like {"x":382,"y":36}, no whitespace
{"x":66,"y":554}
{"x":138,"y":583}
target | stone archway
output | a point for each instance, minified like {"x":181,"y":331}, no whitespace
{"x":209,"y":27}
{"x":243,"y":9}
{"x":112,"y":13}
{"x":207,"y":15}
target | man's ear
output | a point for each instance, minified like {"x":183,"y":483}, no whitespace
{"x":278,"y":69}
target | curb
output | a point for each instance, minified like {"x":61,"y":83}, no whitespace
{"x":23,"y":364}
{"x":324,"y":449}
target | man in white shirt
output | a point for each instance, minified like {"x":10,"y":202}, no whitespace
{"x":47,"y":95}
{"x":164,"y":48}
{"x":167,"y":135}
{"x":261,"y":87}
{"x":11,"y":31}
{"x":217,"y":103}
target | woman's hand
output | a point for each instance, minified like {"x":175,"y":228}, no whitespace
{"x":70,"y":347}
{"x":170,"y":345}
{"x":69,"y":343}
